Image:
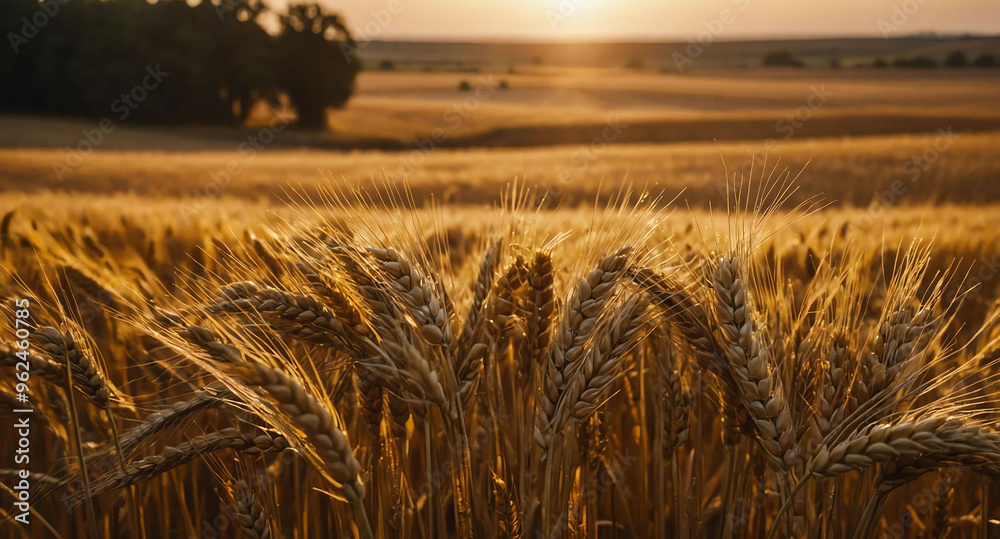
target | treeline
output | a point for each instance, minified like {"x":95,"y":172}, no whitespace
{"x":955,"y":59}
{"x":784,"y":58}
{"x":170,"y":62}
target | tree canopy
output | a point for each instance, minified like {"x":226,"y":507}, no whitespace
{"x":211,"y":61}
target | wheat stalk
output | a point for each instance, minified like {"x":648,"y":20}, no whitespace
{"x":172,"y":457}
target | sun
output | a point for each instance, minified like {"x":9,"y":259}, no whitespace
{"x":571,"y":16}
{"x":571,"y":5}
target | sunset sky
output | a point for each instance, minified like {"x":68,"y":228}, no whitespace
{"x":659,"y":19}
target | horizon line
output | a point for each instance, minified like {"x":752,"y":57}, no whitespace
{"x":527,"y":40}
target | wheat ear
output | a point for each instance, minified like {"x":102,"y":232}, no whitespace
{"x":747,"y":350}
{"x":676,"y":401}
{"x":181,"y":454}
{"x":62,"y":347}
{"x":539,"y":303}
{"x":204,"y":399}
{"x":250,"y":512}
{"x":493,"y":310}
{"x":901,"y":342}
{"x":942,"y":439}
{"x":418,"y":293}
{"x":342,"y":306}
{"x":508,"y":520}
{"x":481,"y":289}
{"x":5,"y":230}
{"x":39,"y":366}
{"x":298,"y":315}
{"x":88,"y":285}
{"x":590,"y":382}
{"x":583,"y":311}
{"x":832,"y":390}
{"x":208,"y":342}
{"x":316,"y":422}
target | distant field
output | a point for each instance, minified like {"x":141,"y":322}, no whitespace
{"x":570,"y":106}
{"x":655,"y":56}
{"x":929,"y":167}
{"x":569,"y":132}
{"x":549,"y":106}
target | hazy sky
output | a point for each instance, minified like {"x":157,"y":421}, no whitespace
{"x":660,"y":19}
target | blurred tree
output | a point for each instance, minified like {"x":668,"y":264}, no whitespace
{"x":314,"y":67}
{"x":956,"y":59}
{"x":880,"y":62}
{"x":924,"y":62}
{"x":781,"y":59}
{"x":635,"y":63}
{"x":213,"y":60}
{"x":984,"y":60}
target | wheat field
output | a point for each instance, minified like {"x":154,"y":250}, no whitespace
{"x":347,"y":364}
{"x":789,"y":325}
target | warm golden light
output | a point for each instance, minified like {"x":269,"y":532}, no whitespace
{"x":657,"y":20}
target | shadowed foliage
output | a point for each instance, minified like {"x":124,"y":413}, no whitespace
{"x":211,"y":61}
